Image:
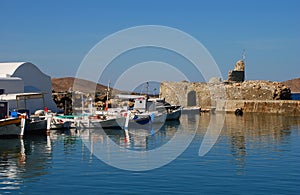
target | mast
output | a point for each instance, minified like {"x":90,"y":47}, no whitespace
{"x":147,"y":97}
{"x":107,"y":94}
{"x":147,"y":89}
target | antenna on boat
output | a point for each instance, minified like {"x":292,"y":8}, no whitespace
{"x":107,"y":94}
{"x":147,"y":96}
{"x":147,"y":89}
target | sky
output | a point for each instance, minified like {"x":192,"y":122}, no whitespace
{"x":57,"y":35}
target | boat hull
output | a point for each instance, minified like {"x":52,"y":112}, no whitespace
{"x":36,"y":127}
{"x":174,"y":115}
{"x":10,"y":127}
{"x":117,"y":123}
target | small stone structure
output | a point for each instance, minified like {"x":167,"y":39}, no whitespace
{"x":238,"y":74}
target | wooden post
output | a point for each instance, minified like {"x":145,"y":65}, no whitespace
{"x":22,"y":125}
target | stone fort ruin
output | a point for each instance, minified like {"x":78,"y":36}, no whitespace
{"x":207,"y":95}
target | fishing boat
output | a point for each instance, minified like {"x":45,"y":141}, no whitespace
{"x":142,"y":110}
{"x":36,"y":123}
{"x":10,"y":125}
{"x":98,"y":121}
{"x":173,"y":114}
{"x":62,"y":121}
{"x":173,"y":111}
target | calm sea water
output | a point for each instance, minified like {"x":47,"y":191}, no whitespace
{"x":254,"y":154}
{"x":296,"y":96}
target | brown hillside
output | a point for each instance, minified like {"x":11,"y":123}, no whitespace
{"x":293,"y":84}
{"x":64,"y":84}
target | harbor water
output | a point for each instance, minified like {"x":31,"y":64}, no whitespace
{"x":296,"y":96}
{"x":253,"y":154}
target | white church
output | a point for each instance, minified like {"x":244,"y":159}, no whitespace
{"x":24,"y":86}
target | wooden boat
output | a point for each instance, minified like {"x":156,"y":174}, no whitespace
{"x":173,"y":114}
{"x":173,"y":111}
{"x":62,"y":121}
{"x":35,"y":124}
{"x":94,"y":122}
{"x":10,"y":126}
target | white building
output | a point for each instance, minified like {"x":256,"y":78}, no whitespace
{"x":25,"y":77}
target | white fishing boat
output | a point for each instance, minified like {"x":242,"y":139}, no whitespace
{"x":96,"y":121}
{"x":140,"y":111}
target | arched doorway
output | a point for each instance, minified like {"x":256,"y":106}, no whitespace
{"x":191,"y":99}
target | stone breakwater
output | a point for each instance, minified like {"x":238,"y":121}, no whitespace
{"x":252,"y":96}
{"x":290,"y":107}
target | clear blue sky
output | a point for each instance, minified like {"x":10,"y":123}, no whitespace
{"x":56,"y":35}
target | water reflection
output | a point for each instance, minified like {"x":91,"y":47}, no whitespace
{"x":142,"y":138}
{"x":252,"y":132}
{"x":23,"y":159}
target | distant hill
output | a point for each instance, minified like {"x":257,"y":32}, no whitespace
{"x":293,"y":84}
{"x":66,"y":83}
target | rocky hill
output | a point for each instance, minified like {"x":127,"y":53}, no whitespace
{"x":293,"y":84}
{"x":66,"y":83}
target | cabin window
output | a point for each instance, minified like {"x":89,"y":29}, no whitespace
{"x":2,"y":91}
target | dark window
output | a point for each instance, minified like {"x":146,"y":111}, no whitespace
{"x":2,"y":91}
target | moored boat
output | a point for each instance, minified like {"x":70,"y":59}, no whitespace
{"x":92,"y":122}
{"x":10,"y":125}
{"x":36,"y":123}
{"x":62,"y":121}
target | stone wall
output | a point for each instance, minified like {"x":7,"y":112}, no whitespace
{"x":290,"y":107}
{"x":207,"y":95}
{"x":257,"y":90}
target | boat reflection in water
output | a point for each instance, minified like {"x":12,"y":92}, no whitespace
{"x":139,"y":137}
{"x":141,"y":149}
{"x":243,"y":135}
{"x":253,"y":151}
{"x":22,"y":159}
